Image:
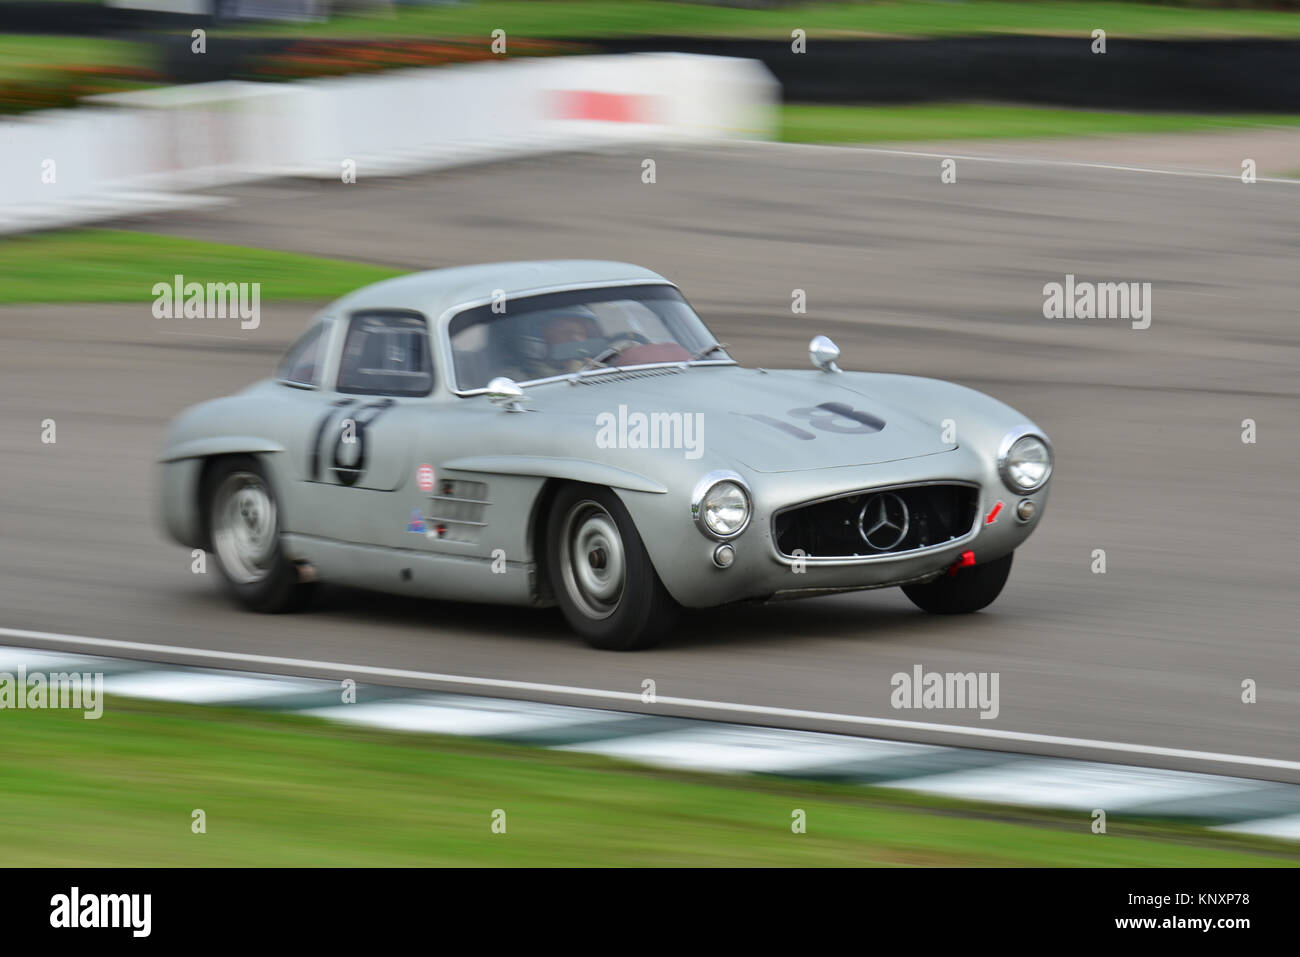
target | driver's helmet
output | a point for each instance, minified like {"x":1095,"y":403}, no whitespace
{"x":559,"y":341}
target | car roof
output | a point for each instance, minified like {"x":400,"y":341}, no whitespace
{"x":437,"y":290}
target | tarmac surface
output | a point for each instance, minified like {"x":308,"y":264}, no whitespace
{"x":907,"y":274}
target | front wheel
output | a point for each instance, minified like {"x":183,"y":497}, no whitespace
{"x":601,"y":574}
{"x":244,"y":533}
{"x":970,"y":589}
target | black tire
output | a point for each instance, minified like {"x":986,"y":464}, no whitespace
{"x":970,"y":589}
{"x":268,"y":583}
{"x":590,"y":539}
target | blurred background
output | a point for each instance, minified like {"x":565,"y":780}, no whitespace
{"x":149,"y":96}
{"x":313,"y":147}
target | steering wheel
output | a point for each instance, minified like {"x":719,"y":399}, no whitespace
{"x":623,"y":341}
{"x":630,"y":337}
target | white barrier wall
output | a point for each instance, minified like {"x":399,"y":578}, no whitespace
{"x":137,"y":152}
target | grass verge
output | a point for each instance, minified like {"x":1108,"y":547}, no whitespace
{"x":817,"y":123}
{"x":293,"y":791}
{"x":28,"y":56}
{"x":106,"y":265}
{"x":574,"y":19}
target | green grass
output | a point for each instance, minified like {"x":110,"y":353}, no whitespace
{"x":293,"y":791}
{"x":24,"y":55}
{"x":589,"y":18}
{"x":815,"y":123}
{"x":101,"y":265}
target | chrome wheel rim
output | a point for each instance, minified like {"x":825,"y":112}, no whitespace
{"x":244,"y":529}
{"x":592,"y":560}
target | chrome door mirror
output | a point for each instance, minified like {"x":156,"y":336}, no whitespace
{"x":505,"y":394}
{"x":823,"y":354}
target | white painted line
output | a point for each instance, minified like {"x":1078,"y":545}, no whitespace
{"x":207,"y":687}
{"x":740,"y":749}
{"x":475,"y":717}
{"x":1015,"y":160}
{"x":1287,"y":826}
{"x":986,"y":734}
{"x":1073,"y":785}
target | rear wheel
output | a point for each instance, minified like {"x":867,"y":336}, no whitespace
{"x":970,"y":589}
{"x":244,"y":532}
{"x":600,"y":573}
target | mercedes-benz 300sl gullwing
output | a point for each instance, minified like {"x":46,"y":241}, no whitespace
{"x":570,"y":433}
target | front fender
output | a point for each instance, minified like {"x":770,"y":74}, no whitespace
{"x":179,"y":500}
{"x":574,"y":470}
{"x":180,"y":471}
{"x":218,"y":445}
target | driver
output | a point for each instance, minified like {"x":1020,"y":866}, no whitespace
{"x":560,"y":343}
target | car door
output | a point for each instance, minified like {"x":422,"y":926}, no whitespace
{"x":360,"y":446}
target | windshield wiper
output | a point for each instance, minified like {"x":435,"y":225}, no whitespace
{"x":706,"y":350}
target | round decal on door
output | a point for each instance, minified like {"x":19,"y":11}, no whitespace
{"x":424,"y":478}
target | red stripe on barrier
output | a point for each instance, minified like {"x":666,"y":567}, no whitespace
{"x":605,"y":107}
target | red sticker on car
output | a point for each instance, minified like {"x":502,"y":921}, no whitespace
{"x":424,"y":478}
{"x":993,"y":515}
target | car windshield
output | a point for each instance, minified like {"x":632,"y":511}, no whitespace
{"x":557,"y":334}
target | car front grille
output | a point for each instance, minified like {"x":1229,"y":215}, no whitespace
{"x":876,"y":522}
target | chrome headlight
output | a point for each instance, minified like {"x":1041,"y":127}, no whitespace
{"x":721,"y":505}
{"x":1025,"y":461}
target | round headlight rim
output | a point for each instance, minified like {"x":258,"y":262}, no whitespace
{"x":702,"y":489}
{"x":1009,"y":441}
{"x":726,"y":496}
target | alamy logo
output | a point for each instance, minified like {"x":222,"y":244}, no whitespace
{"x":179,"y":299}
{"x":1098,"y":300}
{"x":75,"y":909}
{"x":78,"y":691}
{"x":651,"y":430}
{"x":949,"y":690}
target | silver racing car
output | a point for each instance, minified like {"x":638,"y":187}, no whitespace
{"x":570,"y":433}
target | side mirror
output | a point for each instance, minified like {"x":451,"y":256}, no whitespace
{"x":505,"y":394}
{"x":823,"y":354}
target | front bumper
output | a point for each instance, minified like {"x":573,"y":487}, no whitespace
{"x":760,"y":571}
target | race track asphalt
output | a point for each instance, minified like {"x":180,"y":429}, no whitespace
{"x":907,"y":275}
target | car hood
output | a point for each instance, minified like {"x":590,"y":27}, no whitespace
{"x":769,"y":421}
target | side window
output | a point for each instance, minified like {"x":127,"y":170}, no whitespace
{"x":302,"y":363}
{"x":386,"y":353}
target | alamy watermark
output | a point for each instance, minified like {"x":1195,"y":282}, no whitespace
{"x":179,"y":299}
{"x":651,"y":430}
{"x":933,"y":690}
{"x":78,"y":691}
{"x":1098,"y":300}
{"x":130,"y":911}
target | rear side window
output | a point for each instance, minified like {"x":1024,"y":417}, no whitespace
{"x":302,"y":363}
{"x":386,"y":353}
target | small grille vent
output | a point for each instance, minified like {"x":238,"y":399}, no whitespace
{"x":624,"y":376}
{"x":458,"y":510}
